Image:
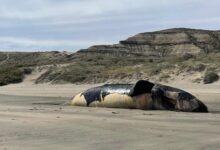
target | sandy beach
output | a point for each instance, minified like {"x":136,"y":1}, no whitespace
{"x":33,"y":117}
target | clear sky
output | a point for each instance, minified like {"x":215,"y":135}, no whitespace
{"x":38,"y":25}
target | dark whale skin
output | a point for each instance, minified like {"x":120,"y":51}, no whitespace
{"x":162,"y":97}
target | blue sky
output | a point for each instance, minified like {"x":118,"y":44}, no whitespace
{"x":40,"y":25}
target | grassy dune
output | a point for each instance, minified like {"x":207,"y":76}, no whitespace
{"x":99,"y":67}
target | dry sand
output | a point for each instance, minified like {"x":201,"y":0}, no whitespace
{"x":36,"y":119}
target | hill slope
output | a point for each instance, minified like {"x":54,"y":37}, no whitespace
{"x":166,"y":42}
{"x":160,"y":56}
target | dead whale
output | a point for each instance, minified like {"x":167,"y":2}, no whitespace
{"x":142,"y":95}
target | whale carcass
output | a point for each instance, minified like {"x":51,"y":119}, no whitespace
{"x":142,"y":95}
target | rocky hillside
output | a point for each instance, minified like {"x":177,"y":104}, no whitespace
{"x":159,"y":56}
{"x":163,"y":43}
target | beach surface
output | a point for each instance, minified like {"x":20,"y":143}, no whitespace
{"x":33,"y":117}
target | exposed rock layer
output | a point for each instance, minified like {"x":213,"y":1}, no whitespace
{"x":177,"y":41}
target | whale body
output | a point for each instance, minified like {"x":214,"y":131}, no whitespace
{"x":142,"y":95}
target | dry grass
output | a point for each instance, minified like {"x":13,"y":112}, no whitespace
{"x":96,"y":68}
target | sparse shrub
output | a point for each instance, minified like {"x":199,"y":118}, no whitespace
{"x":187,"y":56}
{"x":151,"y":60}
{"x":197,"y":80}
{"x":199,"y":67}
{"x":44,"y":76}
{"x":155,"y":71}
{"x":164,"y":77}
{"x":11,"y":75}
{"x":210,"y":77}
{"x":27,"y":71}
{"x":196,"y":68}
{"x":55,"y":52}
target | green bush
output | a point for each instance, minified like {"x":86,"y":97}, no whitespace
{"x":10,"y":75}
{"x":210,"y":77}
{"x":27,"y":71}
